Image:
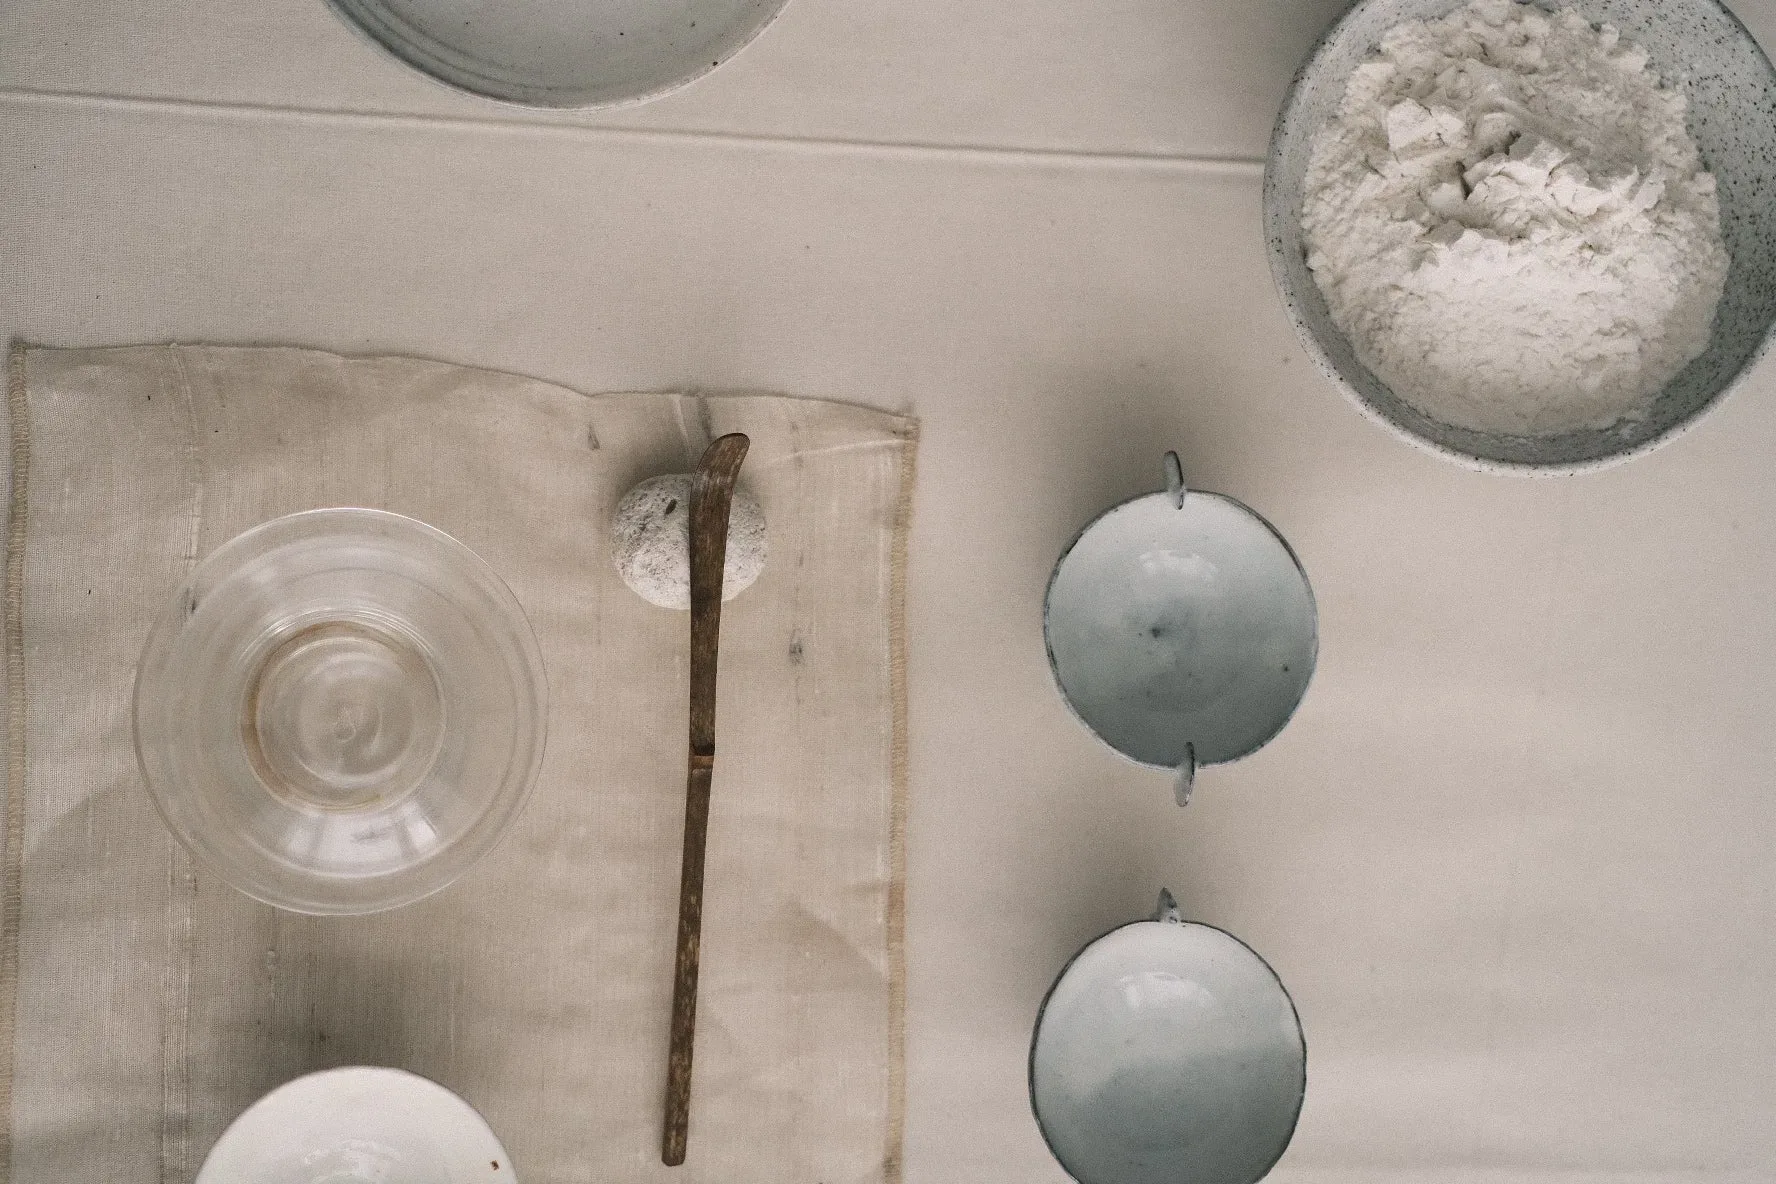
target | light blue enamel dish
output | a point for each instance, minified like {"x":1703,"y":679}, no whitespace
{"x":1167,"y":1052}
{"x":1181,"y":629}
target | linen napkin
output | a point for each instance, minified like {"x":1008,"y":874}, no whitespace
{"x":144,"y":1003}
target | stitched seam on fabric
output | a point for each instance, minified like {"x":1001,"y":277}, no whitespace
{"x":175,"y":1046}
{"x":12,"y":871}
{"x":897,"y":820}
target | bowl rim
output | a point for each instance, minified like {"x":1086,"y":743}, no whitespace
{"x":1081,"y":952}
{"x":1270,"y":212}
{"x":1054,"y":669}
{"x":355,"y":14}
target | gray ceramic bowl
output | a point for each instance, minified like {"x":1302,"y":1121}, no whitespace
{"x":1167,"y":1052}
{"x":1695,"y":44}
{"x":562,"y":53}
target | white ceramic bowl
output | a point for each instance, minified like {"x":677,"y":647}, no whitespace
{"x":562,"y":53}
{"x":1696,"y":45}
{"x":358,"y":1125}
{"x":1167,"y":1052}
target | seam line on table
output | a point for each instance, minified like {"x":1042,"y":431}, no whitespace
{"x":1156,"y":161}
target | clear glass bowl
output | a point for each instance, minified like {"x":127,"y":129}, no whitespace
{"x":340,"y":711}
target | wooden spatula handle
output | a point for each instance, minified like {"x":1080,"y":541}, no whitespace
{"x":684,"y":975}
{"x":712,"y":488}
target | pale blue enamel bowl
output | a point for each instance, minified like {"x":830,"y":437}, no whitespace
{"x":1167,"y":1052}
{"x":1181,"y":629}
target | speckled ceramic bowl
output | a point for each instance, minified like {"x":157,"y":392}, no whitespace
{"x":1695,"y":44}
{"x":562,"y":53}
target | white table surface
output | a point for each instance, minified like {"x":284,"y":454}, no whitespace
{"x":1513,"y":856}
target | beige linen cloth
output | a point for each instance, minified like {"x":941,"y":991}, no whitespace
{"x":144,"y":1003}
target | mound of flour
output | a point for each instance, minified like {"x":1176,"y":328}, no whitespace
{"x":1511,"y":224}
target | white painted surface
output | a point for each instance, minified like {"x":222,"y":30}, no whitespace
{"x":1512,"y":857}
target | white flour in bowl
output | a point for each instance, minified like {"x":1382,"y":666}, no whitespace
{"x":1511,"y":224}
